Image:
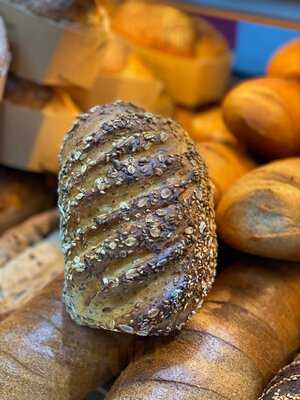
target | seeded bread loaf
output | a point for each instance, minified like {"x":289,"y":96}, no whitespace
{"x":22,"y":195}
{"x":137,"y":222}
{"x":46,"y":356}
{"x":286,"y":384}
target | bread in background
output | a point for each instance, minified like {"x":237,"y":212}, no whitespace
{"x":123,"y":76}
{"x":285,"y":62}
{"x":84,"y":11}
{"x":248,"y":328}
{"x":225,"y":165}
{"x":206,"y":126}
{"x":264,"y":114}
{"x":156,"y":26}
{"x":188,"y":55}
{"x":286,"y":383}
{"x":260,"y":213}
{"x":23,"y":194}
{"x":68,"y":359}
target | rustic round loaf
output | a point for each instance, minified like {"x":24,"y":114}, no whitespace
{"x":265,"y":114}
{"x":137,"y":222}
{"x":260,"y":213}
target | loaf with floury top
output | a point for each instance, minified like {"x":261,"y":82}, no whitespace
{"x":137,"y":222}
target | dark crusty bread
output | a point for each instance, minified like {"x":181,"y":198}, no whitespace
{"x":137,"y":221}
{"x":23,"y":194}
{"x":248,"y":328}
{"x":27,"y":93}
{"x":46,"y":356}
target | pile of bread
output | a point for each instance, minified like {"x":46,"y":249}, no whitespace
{"x":66,"y":56}
{"x":143,"y":201}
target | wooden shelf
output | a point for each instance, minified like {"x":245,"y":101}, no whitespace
{"x":284,"y":13}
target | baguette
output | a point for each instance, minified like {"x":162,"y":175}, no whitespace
{"x":286,"y":384}
{"x":264,"y":114}
{"x":248,"y":328}
{"x":225,"y":165}
{"x":45,"y":356}
{"x":27,"y":273}
{"x":26,"y":234}
{"x":260,"y":214}
{"x":22,"y":195}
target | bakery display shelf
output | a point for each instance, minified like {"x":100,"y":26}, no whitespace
{"x":285,"y":13}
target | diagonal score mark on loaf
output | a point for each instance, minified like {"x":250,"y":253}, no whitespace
{"x":137,"y":221}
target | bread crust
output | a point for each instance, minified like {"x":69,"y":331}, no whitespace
{"x":247,"y":329}
{"x":264,"y":114}
{"x":45,"y":356}
{"x":260,"y":213}
{"x":137,"y":222}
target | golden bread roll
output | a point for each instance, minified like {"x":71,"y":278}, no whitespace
{"x":260,"y":213}
{"x":225,"y":165}
{"x":286,"y":61}
{"x":206,"y":126}
{"x":23,"y":194}
{"x":248,"y":328}
{"x":156,"y":26}
{"x":286,"y":383}
{"x":46,"y":356}
{"x":265,"y":114}
{"x":137,"y":222}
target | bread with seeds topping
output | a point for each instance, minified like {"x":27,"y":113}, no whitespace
{"x":137,"y":222}
{"x":286,"y":384}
